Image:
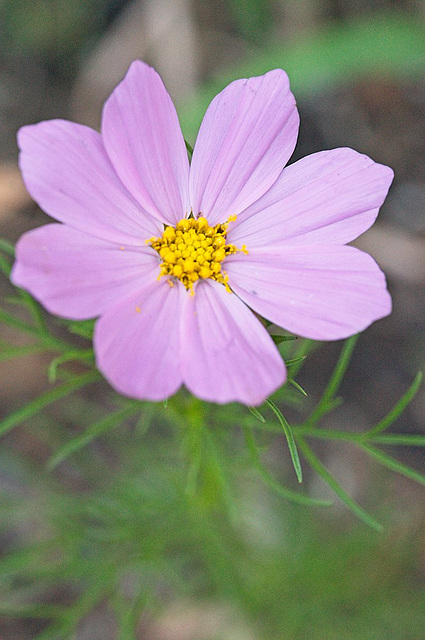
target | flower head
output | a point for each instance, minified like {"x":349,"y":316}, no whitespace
{"x":174,"y":258}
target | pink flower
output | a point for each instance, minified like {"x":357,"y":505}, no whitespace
{"x":174,"y":258}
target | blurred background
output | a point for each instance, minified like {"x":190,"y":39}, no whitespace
{"x":115,"y":543}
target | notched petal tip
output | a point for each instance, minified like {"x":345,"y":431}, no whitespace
{"x":143,"y":139}
{"x":282,"y":81}
{"x":247,"y":136}
{"x":331,"y":196}
{"x":318,"y":292}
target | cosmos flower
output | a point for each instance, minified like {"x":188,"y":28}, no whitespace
{"x":180,"y":261}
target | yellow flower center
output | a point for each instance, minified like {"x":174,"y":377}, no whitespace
{"x":194,"y":250}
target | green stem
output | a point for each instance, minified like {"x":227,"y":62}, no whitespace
{"x":45,"y":339}
{"x":409,"y":440}
{"x":325,"y":403}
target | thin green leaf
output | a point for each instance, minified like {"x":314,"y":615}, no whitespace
{"x":129,"y":614}
{"x":7,"y":351}
{"x":193,"y":471}
{"x":77,"y":354}
{"x":303,"y":348}
{"x":75,"y":613}
{"x":293,"y":496}
{"x":289,"y":438}
{"x":16,"y":323}
{"x":47,"y":340}
{"x":221,"y":469}
{"x":325,"y":403}
{"x":16,"y":299}
{"x":189,"y":149}
{"x":34,"y":407}
{"x":326,"y":434}
{"x":336,"y":487}
{"x":297,"y":386}
{"x":32,"y":610}
{"x":144,"y":421}
{"x":398,"y":408}
{"x":35,"y":310}
{"x":268,"y":426}
{"x":392,"y":463}
{"x":403,"y":439}
{"x":7,"y":248}
{"x":256,"y":414}
{"x":5,"y":266}
{"x":193,"y":444}
{"x":94,"y":431}
{"x":278,"y":339}
{"x":83,"y":328}
{"x":293,"y":361}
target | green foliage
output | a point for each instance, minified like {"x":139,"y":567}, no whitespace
{"x":253,"y":18}
{"x":176,"y":501}
{"x":55,"y":29}
{"x":137,"y":500}
{"x":193,"y":417}
{"x":381,"y":44}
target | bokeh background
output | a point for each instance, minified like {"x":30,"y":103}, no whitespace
{"x":117,"y":543}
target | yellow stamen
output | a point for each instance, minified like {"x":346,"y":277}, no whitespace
{"x":194,"y":250}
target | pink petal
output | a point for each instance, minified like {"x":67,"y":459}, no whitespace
{"x":143,"y":139}
{"x":247,"y":136}
{"x":319,"y":292}
{"x":137,"y":342}
{"x":67,"y":172}
{"x":227,"y":355}
{"x":79,"y":276}
{"x":328,"y":197}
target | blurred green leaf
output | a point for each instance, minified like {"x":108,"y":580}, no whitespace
{"x":83,"y":328}
{"x":290,"y":495}
{"x":95,"y":430}
{"x":54,"y":29}
{"x":43,"y":400}
{"x":256,"y":414}
{"x":278,"y":339}
{"x":7,"y":247}
{"x":398,"y":408}
{"x":403,"y":439}
{"x":336,"y":487}
{"x":8,"y":351}
{"x":391,"y":463}
{"x":5,"y":266}
{"x":297,"y":386}
{"x":327,"y":401}
{"x":253,"y":17}
{"x":80,"y":355}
